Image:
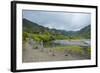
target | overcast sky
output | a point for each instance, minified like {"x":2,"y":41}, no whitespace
{"x":59,"y":20}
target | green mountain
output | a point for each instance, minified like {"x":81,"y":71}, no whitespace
{"x":85,"y":32}
{"x":32,"y":27}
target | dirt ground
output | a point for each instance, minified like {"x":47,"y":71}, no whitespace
{"x":36,"y":55}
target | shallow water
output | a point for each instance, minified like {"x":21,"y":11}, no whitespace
{"x":73,"y":42}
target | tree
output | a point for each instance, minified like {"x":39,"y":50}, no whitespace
{"x":43,"y":39}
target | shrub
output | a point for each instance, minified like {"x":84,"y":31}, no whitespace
{"x":71,"y":49}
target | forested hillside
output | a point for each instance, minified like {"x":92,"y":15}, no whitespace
{"x":34,"y":28}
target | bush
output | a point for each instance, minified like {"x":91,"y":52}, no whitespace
{"x":44,"y":38}
{"x":25,"y":36}
{"x":70,"y":49}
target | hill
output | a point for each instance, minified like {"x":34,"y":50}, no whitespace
{"x":32,"y":27}
{"x":85,"y":32}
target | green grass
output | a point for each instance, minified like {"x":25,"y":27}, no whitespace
{"x":71,"y":49}
{"x":89,"y":51}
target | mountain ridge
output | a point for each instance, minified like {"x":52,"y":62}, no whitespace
{"x":32,"y":27}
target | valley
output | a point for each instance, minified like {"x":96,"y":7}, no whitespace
{"x":42,"y":44}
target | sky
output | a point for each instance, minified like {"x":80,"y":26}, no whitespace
{"x":68,"y":21}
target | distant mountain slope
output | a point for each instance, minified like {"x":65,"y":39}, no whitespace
{"x":85,"y":32}
{"x":32,"y":27}
{"x":29,"y":26}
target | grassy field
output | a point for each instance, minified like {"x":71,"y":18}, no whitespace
{"x":36,"y":53}
{"x":73,"y":50}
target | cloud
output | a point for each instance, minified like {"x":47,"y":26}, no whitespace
{"x":59,"y":20}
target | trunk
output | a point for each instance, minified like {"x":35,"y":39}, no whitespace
{"x":42,"y":46}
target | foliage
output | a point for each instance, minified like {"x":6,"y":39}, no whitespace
{"x":61,"y":37}
{"x":76,"y":49}
{"x":25,"y":36}
{"x":85,"y":32}
{"x":89,"y":51}
{"x":45,"y":38}
{"x":35,"y":28}
{"x":71,"y":49}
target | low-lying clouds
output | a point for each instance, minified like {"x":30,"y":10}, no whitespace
{"x":59,"y":20}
